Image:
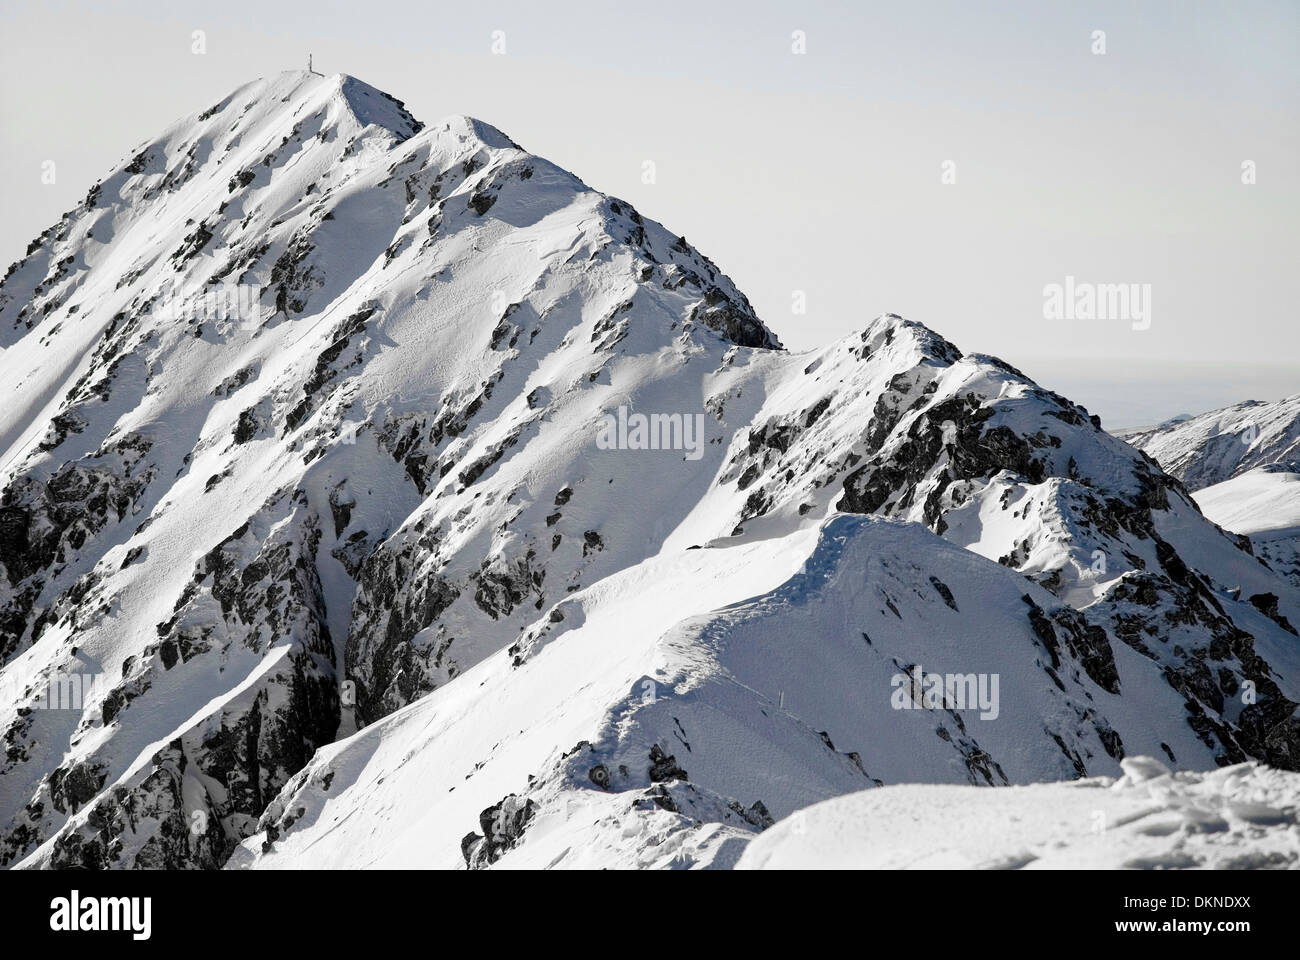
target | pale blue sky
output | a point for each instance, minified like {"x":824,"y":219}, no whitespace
{"x":818,"y":173}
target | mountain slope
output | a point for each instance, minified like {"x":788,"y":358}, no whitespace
{"x":311,"y":417}
{"x":1263,"y":504}
{"x":190,"y":489}
{"x":1222,"y":444}
{"x":654,"y":719}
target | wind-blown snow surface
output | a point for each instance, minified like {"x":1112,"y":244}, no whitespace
{"x":1222,"y":444}
{"x":1239,"y":818}
{"x":387,"y":481}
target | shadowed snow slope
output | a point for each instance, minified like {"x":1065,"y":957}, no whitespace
{"x":1238,"y":818}
{"x":303,"y":465}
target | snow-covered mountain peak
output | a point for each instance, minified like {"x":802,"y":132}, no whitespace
{"x":294,"y":93}
{"x":463,"y":404}
{"x":888,"y":327}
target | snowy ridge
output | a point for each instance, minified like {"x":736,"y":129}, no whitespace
{"x":357,"y":545}
{"x":632,"y":730}
{"x":1219,"y":445}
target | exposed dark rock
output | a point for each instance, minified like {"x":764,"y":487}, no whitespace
{"x":663,"y":766}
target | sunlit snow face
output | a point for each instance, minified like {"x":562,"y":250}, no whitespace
{"x":627,"y":430}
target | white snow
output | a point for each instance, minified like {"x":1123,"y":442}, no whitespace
{"x":1263,"y":503}
{"x":1239,"y":817}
